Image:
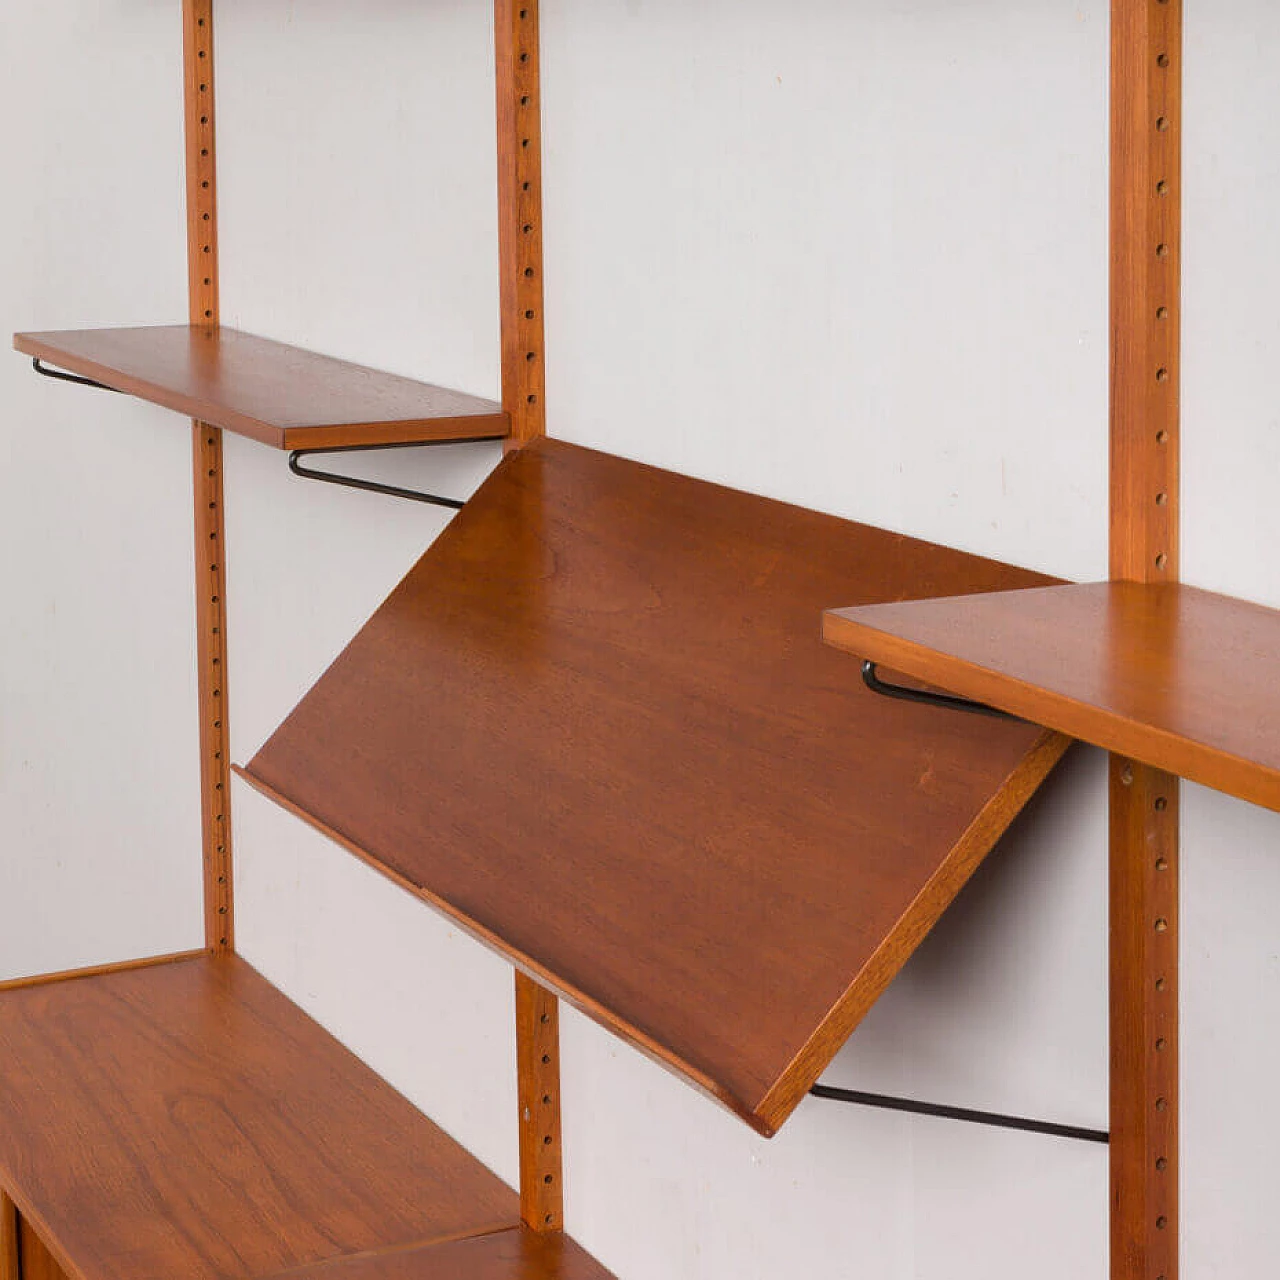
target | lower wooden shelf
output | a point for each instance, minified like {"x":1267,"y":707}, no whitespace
{"x":184,"y":1119}
{"x":519,"y":1254}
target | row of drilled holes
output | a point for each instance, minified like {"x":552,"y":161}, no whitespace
{"x":548,"y":1139}
{"x":528,"y":228}
{"x":1161,"y":1045}
{"x":202,"y":55}
{"x":1163,"y":252}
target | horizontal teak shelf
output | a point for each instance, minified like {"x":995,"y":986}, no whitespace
{"x":1174,"y":677}
{"x":184,"y":1119}
{"x":596,"y":726}
{"x":279,"y":395}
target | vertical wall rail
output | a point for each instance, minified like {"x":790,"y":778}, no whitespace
{"x":9,"y":1268}
{"x":211,"y":631}
{"x":520,"y":217}
{"x":523,"y":397}
{"x":1146,"y":197}
{"x":538,"y":1065}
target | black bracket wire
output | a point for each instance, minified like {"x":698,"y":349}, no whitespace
{"x":989,"y":1118}
{"x":45,"y":372}
{"x":930,"y":699}
{"x":374,"y":486}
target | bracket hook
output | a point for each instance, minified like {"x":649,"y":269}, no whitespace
{"x":873,"y":682}
{"x":374,"y":486}
{"x":57,"y":374}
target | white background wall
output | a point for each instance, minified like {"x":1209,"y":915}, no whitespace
{"x":850,"y":253}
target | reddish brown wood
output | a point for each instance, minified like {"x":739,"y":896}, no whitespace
{"x":1177,"y":678}
{"x":1146,"y":254}
{"x":37,"y":1262}
{"x":275,"y":394}
{"x":213,"y":702}
{"x":538,"y":1072}
{"x":68,"y":975}
{"x":597,"y":727}
{"x":506,"y":1255}
{"x":9,"y":1265}
{"x":187,"y":1120}
{"x":206,"y":453}
{"x":520,"y":217}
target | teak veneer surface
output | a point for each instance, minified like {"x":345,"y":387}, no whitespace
{"x":597,"y":726}
{"x":1174,"y":677}
{"x":186,"y":1120}
{"x":506,"y":1255}
{"x":279,"y":395}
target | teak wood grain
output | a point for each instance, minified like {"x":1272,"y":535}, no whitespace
{"x":1145,"y":453}
{"x":1177,"y":678}
{"x":9,"y":1269}
{"x":37,"y":1262}
{"x":278,"y":395}
{"x":213,"y":700}
{"x":506,"y":1255}
{"x":187,"y":1120}
{"x":596,"y":725}
{"x":538,"y":1091}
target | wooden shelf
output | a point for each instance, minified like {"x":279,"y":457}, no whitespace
{"x":185,"y":1119}
{"x":278,"y":395}
{"x":1174,"y":677}
{"x":597,"y":727}
{"x":505,"y":1255}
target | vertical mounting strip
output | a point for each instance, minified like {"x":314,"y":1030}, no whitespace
{"x":211,"y":631}
{"x":516,"y":46}
{"x":538,"y":1067}
{"x":520,"y":217}
{"x":10,"y":1268}
{"x":1146,"y":198}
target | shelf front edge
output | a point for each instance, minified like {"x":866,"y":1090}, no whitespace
{"x":789,"y":1090}
{"x":867,"y":633}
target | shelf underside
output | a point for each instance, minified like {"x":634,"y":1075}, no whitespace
{"x":596,"y":726}
{"x":276,"y":394}
{"x":185,"y":1119}
{"x":1177,"y":678}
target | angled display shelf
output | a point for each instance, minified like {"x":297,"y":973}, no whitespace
{"x":1177,"y":678}
{"x":276,"y":394}
{"x":185,"y":1119}
{"x":596,"y":726}
{"x":518,"y":1254}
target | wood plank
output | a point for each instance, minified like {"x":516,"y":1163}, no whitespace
{"x":520,"y":217}
{"x":94,"y":971}
{"x":9,"y":1259}
{"x":1177,"y":678}
{"x":187,"y":1120}
{"x":278,"y":395}
{"x":538,"y":1075}
{"x":206,"y":452}
{"x":596,"y":726}
{"x":506,"y":1255}
{"x":1146,"y":256}
{"x":37,"y":1262}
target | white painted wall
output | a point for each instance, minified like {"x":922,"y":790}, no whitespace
{"x":850,"y":253}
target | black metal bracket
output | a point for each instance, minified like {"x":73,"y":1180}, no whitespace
{"x":873,"y":682}
{"x":374,"y":486}
{"x":45,"y":372}
{"x":989,"y":1118}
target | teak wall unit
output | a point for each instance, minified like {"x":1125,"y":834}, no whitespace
{"x":589,"y":634}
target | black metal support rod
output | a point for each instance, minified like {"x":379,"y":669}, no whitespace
{"x":374,"y":486}
{"x":990,"y":1118}
{"x":45,"y":372}
{"x":930,"y":699}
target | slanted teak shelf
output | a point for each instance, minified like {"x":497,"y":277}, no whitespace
{"x":1177,"y":678}
{"x":279,"y":395}
{"x":597,"y":727}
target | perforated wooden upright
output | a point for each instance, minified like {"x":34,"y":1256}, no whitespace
{"x":649,"y":785}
